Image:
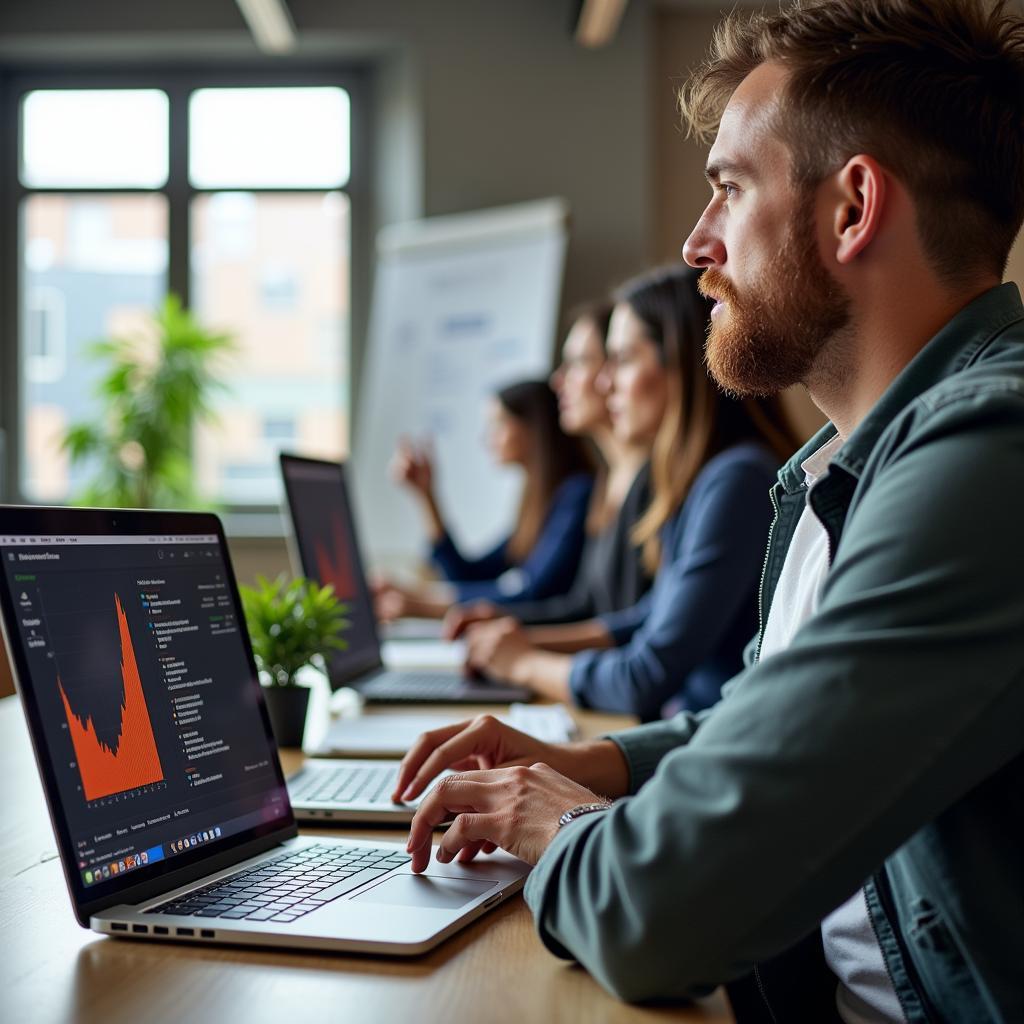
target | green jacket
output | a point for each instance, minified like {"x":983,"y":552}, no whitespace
{"x":885,"y":744}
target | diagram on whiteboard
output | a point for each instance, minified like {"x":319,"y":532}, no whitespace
{"x":462,"y":306}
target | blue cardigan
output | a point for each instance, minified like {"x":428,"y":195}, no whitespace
{"x":685,"y":637}
{"x":550,"y":567}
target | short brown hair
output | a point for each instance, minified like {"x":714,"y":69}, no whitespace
{"x":933,"y":89}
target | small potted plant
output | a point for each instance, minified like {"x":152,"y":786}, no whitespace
{"x":291,"y":625}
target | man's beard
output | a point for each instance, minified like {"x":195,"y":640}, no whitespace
{"x":773,"y":338}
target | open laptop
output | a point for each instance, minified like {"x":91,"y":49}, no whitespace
{"x":350,"y":789}
{"x":328,"y":551}
{"x":160,"y":771}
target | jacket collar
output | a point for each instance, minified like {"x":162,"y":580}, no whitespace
{"x":956,"y":345}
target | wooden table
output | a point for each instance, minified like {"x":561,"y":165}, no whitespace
{"x":494,"y":971}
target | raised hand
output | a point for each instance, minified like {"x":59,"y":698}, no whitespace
{"x":413,"y":466}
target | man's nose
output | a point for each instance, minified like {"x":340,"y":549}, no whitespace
{"x":704,"y":248}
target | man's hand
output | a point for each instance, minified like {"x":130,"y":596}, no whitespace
{"x":461,"y":616}
{"x":498,"y":648}
{"x":516,"y":809}
{"x":482,"y":742}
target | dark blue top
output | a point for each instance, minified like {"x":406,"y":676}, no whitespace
{"x":685,"y":636}
{"x":611,"y":575}
{"x":548,"y":569}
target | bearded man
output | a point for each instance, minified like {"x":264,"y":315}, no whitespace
{"x":839,"y":837}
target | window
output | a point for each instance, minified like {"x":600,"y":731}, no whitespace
{"x":270,"y":268}
{"x":269,"y":138}
{"x":94,"y":138}
{"x":92,"y":266}
{"x":253,"y":230}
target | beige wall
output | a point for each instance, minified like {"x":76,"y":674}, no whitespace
{"x":680,"y":41}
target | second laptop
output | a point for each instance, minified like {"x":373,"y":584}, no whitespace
{"x":328,"y":552}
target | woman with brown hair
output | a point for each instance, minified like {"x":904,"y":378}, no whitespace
{"x":540,"y":557}
{"x":611,"y":573}
{"x":704,"y":531}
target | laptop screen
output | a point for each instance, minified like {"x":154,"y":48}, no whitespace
{"x":328,"y":550}
{"x":134,"y":666}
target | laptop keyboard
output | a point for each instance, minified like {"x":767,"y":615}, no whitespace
{"x":345,"y":785}
{"x":287,"y":887}
{"x":411,"y":685}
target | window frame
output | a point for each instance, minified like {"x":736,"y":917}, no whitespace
{"x":178,"y":84}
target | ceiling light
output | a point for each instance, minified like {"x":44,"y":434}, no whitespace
{"x":270,"y":24}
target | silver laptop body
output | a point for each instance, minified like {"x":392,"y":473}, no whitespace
{"x":380,"y":908}
{"x":159,"y":766}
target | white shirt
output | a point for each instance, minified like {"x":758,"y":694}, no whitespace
{"x":865,"y":994}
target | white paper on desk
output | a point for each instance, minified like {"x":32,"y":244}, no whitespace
{"x":423,"y":654}
{"x":411,"y":629}
{"x":551,"y":723}
{"x":383,"y":735}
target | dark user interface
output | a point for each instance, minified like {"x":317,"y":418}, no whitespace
{"x":147,"y":703}
{"x":327,"y":547}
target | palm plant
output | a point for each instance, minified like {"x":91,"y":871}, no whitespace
{"x":154,"y":393}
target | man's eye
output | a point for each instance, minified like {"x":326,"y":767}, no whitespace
{"x":725,"y":189}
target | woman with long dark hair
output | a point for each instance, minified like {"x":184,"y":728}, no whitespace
{"x":703,"y":532}
{"x":540,"y":557}
{"x":611,"y":575}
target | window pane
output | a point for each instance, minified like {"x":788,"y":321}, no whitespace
{"x":273,"y":270}
{"x":94,"y":138}
{"x":92,"y":267}
{"x":269,"y":138}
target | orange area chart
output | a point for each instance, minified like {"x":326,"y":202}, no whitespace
{"x":133,"y":761}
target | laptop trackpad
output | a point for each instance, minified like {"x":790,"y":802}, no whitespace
{"x":424,"y":891}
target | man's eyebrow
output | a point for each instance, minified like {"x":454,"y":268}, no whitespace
{"x":714,"y":171}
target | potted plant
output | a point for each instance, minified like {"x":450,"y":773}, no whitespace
{"x":291,"y":625}
{"x":158,"y":385}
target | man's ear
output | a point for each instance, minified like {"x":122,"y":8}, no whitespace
{"x":861,"y":191}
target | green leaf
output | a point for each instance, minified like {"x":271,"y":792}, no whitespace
{"x":152,"y":398}
{"x":292,"y":624}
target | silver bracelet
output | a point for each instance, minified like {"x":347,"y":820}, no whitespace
{"x":580,"y":809}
